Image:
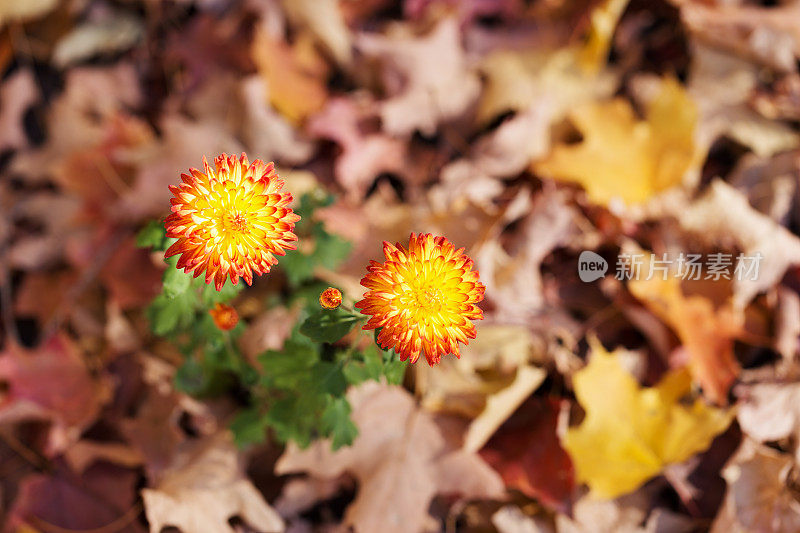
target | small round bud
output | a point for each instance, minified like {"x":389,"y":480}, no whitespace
{"x":330,"y":298}
{"x":225,"y":317}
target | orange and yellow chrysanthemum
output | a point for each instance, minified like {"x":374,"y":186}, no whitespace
{"x":230,"y":221}
{"x":423,"y":298}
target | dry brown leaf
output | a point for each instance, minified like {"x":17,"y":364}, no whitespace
{"x":769,"y":411}
{"x":759,"y":497}
{"x":517,"y":81}
{"x":770,"y":35}
{"x":723,"y":214}
{"x":722,"y":84}
{"x":436,"y":85}
{"x":265,"y":131}
{"x":364,"y":155}
{"x":204,"y":488}
{"x":399,"y":459}
{"x":17,"y":94}
{"x":325,"y":20}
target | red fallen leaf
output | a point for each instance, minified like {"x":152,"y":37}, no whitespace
{"x":130,"y":276}
{"x":51,"y":382}
{"x":528,"y":455}
{"x":103,"y":497}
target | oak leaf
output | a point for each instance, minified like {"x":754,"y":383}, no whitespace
{"x":400,"y":460}
{"x":204,"y":489}
{"x":630,"y":432}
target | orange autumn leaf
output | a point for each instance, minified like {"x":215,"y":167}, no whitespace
{"x":707,"y":333}
{"x":295,"y":75}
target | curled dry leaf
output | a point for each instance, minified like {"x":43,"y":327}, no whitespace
{"x":204,"y":488}
{"x":723,"y":214}
{"x":364,"y":155}
{"x":759,"y":497}
{"x":399,"y":459}
{"x":437,"y":84}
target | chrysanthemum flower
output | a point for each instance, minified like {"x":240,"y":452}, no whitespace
{"x":330,"y":298}
{"x":423,"y":298}
{"x":230,"y":221}
{"x":225,"y":317}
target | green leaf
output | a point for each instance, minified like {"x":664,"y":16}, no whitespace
{"x":395,"y":371}
{"x":370,"y":366}
{"x":249,"y":427}
{"x":329,"y":378}
{"x":168,"y":314}
{"x":191,"y":377}
{"x":298,"y":267}
{"x":153,"y":235}
{"x":289,"y":367}
{"x":329,"y":325}
{"x":329,"y":250}
{"x":336,"y":423}
{"x":176,"y":282}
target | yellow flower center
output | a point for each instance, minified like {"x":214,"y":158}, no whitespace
{"x":235,"y":222}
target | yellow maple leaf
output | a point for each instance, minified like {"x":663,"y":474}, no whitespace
{"x":623,"y":158}
{"x":630,"y":432}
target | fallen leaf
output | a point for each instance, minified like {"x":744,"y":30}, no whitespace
{"x":364,"y":155}
{"x":17,"y":94}
{"x":54,"y":381}
{"x":706,"y":332}
{"x":324,"y":18}
{"x":630,"y":433}
{"x":100,"y":497}
{"x":760,"y":497}
{"x":437,"y":84}
{"x":528,"y":454}
{"x":399,"y":459}
{"x":11,"y":10}
{"x":723,"y":214}
{"x":295,"y":75}
{"x":769,"y":411}
{"x":623,"y":159}
{"x":768,"y":34}
{"x":265,"y":131}
{"x":722,"y":85}
{"x":518,"y":81}
{"x":204,"y":489}
{"x":112,"y":34}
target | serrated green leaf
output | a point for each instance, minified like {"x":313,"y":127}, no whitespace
{"x":328,"y":325}
{"x":153,"y":235}
{"x":298,"y":267}
{"x":336,"y":423}
{"x":329,"y":250}
{"x":329,"y":378}
{"x":176,"y":282}
{"x":289,"y":367}
{"x":168,"y":314}
{"x":394,"y":371}
{"x":249,"y":427}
